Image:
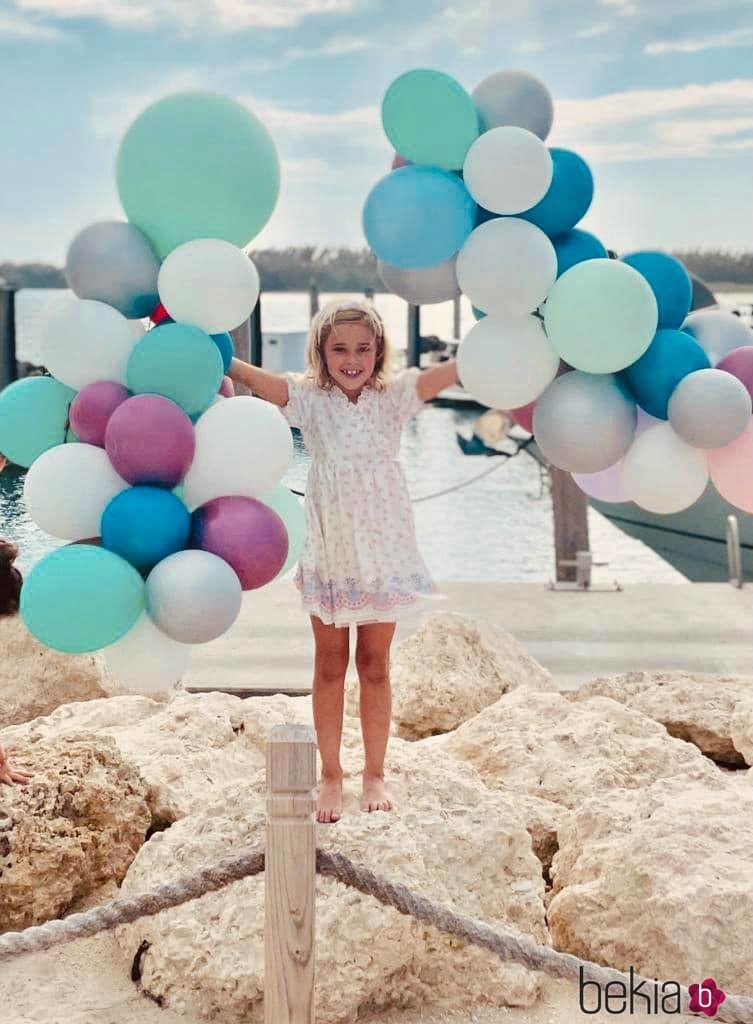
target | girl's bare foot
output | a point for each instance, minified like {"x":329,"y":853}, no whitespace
{"x":374,"y":796}
{"x":329,"y":801}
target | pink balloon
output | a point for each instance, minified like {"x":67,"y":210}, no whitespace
{"x":739,"y":362}
{"x":731,"y":469}
{"x":150,"y":440}
{"x":399,"y":161}
{"x":248,"y":534}
{"x":92,"y":408}
{"x":227,"y":388}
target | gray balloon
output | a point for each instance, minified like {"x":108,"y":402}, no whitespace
{"x":193,"y":596}
{"x":112,"y":261}
{"x":584,"y":422}
{"x":718,"y":332}
{"x":709,"y":408}
{"x":516,"y":98}
{"x":421,"y":287}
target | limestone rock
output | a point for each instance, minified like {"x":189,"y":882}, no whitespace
{"x":692,"y":706}
{"x":76,"y":825}
{"x":662,"y":880}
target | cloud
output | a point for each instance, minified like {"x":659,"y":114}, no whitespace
{"x":626,"y":8}
{"x":592,"y":32}
{"x":16,"y":26}
{"x":723,"y":40}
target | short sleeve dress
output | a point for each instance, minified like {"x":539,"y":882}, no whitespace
{"x":360,"y":562}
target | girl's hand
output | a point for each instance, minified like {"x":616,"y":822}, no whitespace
{"x":10,"y":776}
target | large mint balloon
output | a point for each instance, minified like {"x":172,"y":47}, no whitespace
{"x":81,"y":598}
{"x":33,"y":417}
{"x":179,"y":362}
{"x":291,"y":511}
{"x":430,"y":119}
{"x":197,"y":165}
{"x":112,"y":262}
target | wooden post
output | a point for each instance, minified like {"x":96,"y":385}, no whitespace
{"x":570,"y":513}
{"x":313,"y":299}
{"x":413,"y":355}
{"x":290,"y":876}
{"x":8,"y":367}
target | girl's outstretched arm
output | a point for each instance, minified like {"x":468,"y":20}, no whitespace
{"x":437,"y":378}
{"x":272,"y":387}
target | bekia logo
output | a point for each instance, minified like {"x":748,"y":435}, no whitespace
{"x":617,"y":997}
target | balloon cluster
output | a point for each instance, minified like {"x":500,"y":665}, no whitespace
{"x":170,"y":492}
{"x":601,"y":359}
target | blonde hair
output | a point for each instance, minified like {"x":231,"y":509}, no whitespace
{"x":347,"y":312}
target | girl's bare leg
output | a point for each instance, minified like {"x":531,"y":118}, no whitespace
{"x":373,"y":664}
{"x":331,"y":655}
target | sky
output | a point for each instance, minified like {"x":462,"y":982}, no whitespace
{"x":657,"y":96}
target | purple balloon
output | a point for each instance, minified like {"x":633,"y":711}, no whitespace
{"x":738,"y":362}
{"x":150,"y":440}
{"x":92,"y":408}
{"x":248,"y":534}
{"x":607,"y":485}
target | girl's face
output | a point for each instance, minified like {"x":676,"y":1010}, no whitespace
{"x":350,"y":355}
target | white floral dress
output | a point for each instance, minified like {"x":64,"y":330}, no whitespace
{"x":360,"y":561}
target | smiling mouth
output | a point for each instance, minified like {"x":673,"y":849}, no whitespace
{"x":351,"y":373}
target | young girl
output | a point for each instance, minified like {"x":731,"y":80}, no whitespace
{"x":360,"y":563}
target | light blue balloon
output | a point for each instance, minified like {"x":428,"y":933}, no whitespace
{"x":33,"y":418}
{"x":180,"y":362}
{"x":292,"y":512}
{"x":81,"y":598}
{"x":113,"y":262}
{"x":417,"y":217}
{"x":568,"y":198}
{"x":670,"y":282}
{"x":224,"y":343}
{"x":576,"y":246}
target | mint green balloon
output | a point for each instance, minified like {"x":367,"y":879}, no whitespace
{"x":291,"y":511}
{"x":81,"y":598}
{"x":33,"y":418}
{"x":430,"y":119}
{"x":197,"y":165}
{"x":601,"y":316}
{"x":179,"y":362}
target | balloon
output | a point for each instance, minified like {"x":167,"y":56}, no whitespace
{"x":601,"y":316}
{"x":150,"y":440}
{"x":193,"y":596}
{"x":68,"y":488}
{"x":523,"y":414}
{"x":243,"y":446}
{"x":84,"y":341}
{"x":421,"y":287}
{"x":81,"y":598}
{"x":227,"y":388}
{"x":417,"y":217}
{"x":197,"y":165}
{"x":584,"y":422}
{"x":478,"y":314}
{"x":33,"y":417}
{"x":514,"y":97}
{"x":670,"y":282}
{"x":576,"y":246}
{"x":738,"y":362}
{"x":92,"y":408}
{"x":568,"y":196}
{"x":160,"y":315}
{"x":398,"y":161}
{"x":248,"y":534}
{"x":606,"y":485}
{"x":209,"y":284}
{"x":290,"y":509}
{"x":671,"y":356}
{"x":430,"y":119}
{"x":717,"y":332}
{"x":224,"y":343}
{"x":145,"y":660}
{"x":730,"y":470}
{"x":179,"y":362}
{"x":505,"y":362}
{"x":112,"y":261}
{"x":507,"y":170}
{"x":145,"y":525}
{"x":709,"y":409}
{"x":507,"y":266}
{"x":662,"y":473}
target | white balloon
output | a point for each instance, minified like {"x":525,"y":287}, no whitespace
{"x":208,"y":283}
{"x":718,"y":332}
{"x":507,"y":362}
{"x":662,"y":473}
{"x":68,"y":488}
{"x":193,"y":596}
{"x":84,"y":341}
{"x":508,"y":170}
{"x":243,"y":446}
{"x":507,"y":266}
{"x":146,"y":660}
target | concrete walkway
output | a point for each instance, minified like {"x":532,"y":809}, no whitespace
{"x":700,"y":627}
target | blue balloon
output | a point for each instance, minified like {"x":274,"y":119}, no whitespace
{"x":145,"y":525}
{"x":568,"y":197}
{"x":576,"y":246}
{"x":479,"y":314}
{"x":416,"y":217}
{"x":670,"y":283}
{"x":33,"y":417}
{"x":227,"y":350}
{"x":81,"y":598}
{"x":178,"y":361}
{"x":671,"y":356}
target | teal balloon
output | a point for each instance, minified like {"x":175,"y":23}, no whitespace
{"x":81,"y":598}
{"x":197,"y":165}
{"x":291,"y":511}
{"x":430,"y":119}
{"x":178,"y":361}
{"x":33,"y":418}
{"x":601,"y":316}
